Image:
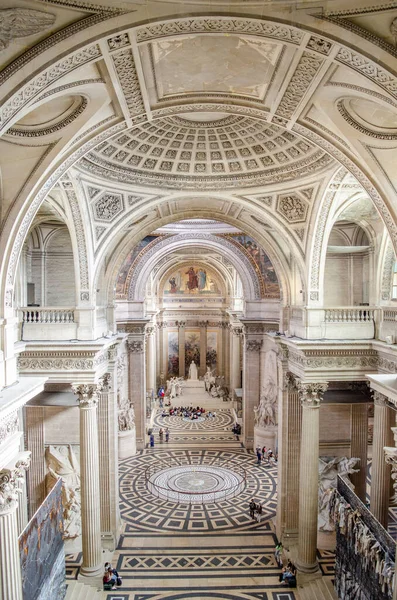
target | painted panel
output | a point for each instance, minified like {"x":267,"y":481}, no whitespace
{"x":192,"y":279}
{"x":212,"y":349}
{"x":42,"y":551}
{"x":173,"y":354}
{"x":192,"y":349}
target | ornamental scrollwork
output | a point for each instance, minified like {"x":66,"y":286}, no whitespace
{"x":10,"y":482}
{"x":8,"y":426}
{"x":87,"y":394}
{"x":253,"y":345}
{"x":379,"y":399}
{"x":135,"y":346}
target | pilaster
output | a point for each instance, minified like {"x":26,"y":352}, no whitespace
{"x":359,"y":447}
{"x":137,"y":381}
{"x":181,"y":347}
{"x":251,"y":383}
{"x":203,"y":347}
{"x":381,"y":471}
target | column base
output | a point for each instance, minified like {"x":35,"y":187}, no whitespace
{"x":91,"y":575}
{"x":289,"y":539}
{"x":307,"y":573}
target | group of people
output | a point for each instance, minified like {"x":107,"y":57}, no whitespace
{"x":236,"y":429}
{"x":184,"y":411}
{"x":162,"y":434}
{"x":288,"y":572}
{"x":256,"y":511}
{"x":266,"y":454}
{"x":111,"y":578}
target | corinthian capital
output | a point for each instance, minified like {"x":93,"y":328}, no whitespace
{"x":10,"y":480}
{"x":87,"y":394}
{"x":380,"y":399}
{"x":104,"y":383}
{"x":135,"y":346}
{"x":311,"y":394}
{"x":253,"y":345}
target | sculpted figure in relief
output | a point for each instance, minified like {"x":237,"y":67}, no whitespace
{"x":20,"y":22}
{"x":126,"y":415}
{"x":328,"y":478}
{"x":62,"y":463}
{"x":266,"y":412}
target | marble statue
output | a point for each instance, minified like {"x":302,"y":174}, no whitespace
{"x":209,"y":379}
{"x":328,"y":478}
{"x":193,"y":371}
{"x":173,"y":388}
{"x":266,"y":412}
{"x":126,"y":415}
{"x":62,"y":463}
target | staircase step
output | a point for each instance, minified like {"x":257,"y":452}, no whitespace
{"x":80,"y":591}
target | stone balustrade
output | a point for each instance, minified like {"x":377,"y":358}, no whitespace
{"x":48,"y":314}
{"x":334,"y":323}
{"x":49,"y":322}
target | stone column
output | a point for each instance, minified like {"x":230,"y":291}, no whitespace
{"x":359,"y":446}
{"x":381,"y":472}
{"x":34,"y":427}
{"x":203,"y":347}
{"x":108,"y":459}
{"x":181,"y":343}
{"x":150,"y":360}
{"x":10,"y":564}
{"x":290,"y":424}
{"x":311,"y":395}
{"x":137,"y":384}
{"x":235,"y":372}
{"x":226,"y":353}
{"x":87,"y":394}
{"x":251,"y":387}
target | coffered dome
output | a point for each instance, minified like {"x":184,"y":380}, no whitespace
{"x":230,"y":151}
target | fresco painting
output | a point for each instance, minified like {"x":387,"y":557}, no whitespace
{"x":192,"y":349}
{"x":122,"y":276}
{"x":192,"y":279}
{"x":212,"y":349}
{"x":262,"y":260}
{"x":173,"y":354}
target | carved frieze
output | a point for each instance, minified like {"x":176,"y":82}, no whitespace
{"x":8,"y":426}
{"x":21,"y":22}
{"x":135,"y":346}
{"x":125,"y":68}
{"x":10,"y":482}
{"x":253,"y":345}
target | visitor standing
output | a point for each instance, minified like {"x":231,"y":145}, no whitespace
{"x":252,"y":507}
{"x":151,"y":440}
{"x":161,"y":434}
{"x":167,"y":434}
{"x":259,"y":455}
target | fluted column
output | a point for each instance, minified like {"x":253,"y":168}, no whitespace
{"x":137,"y":382}
{"x":203,"y":347}
{"x":235,"y":371}
{"x":226,"y":353}
{"x":359,"y":445}
{"x":251,"y":385}
{"x":311,"y":395}
{"x":381,"y":472}
{"x":87,"y":394}
{"x":34,"y":425}
{"x":181,"y":346}
{"x":150,"y":360}
{"x":10,"y":564}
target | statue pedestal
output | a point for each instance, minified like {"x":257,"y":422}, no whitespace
{"x":265,"y":436}
{"x":127,"y":443}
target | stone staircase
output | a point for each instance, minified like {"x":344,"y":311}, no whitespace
{"x":80,"y":591}
{"x":318,"y":589}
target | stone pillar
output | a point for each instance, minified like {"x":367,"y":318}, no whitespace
{"x":311,"y":395}
{"x":381,"y":472}
{"x":10,"y":564}
{"x":251,"y":387}
{"x":150,"y":361}
{"x":87,"y":394}
{"x":108,"y":459}
{"x":181,"y":343}
{"x":359,"y":446}
{"x":226,"y":353}
{"x":34,"y":425}
{"x":203,"y":347}
{"x":235,"y":372}
{"x":137,"y":384}
{"x":290,"y":424}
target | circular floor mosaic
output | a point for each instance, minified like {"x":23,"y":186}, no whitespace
{"x":194,"y":484}
{"x":223,"y":421}
{"x":143,"y":511}
{"x":198,"y":420}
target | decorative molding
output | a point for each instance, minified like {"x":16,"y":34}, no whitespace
{"x":305,"y":72}
{"x":253,"y":345}
{"x":44,"y":79}
{"x":8,"y":426}
{"x":80,"y":237}
{"x":311,"y":394}
{"x":87,"y":394}
{"x":387,"y":274}
{"x":109,"y":206}
{"x":124,"y":65}
{"x":319,"y":45}
{"x":22,"y":22}
{"x":292,"y":208}
{"x":229,"y":25}
{"x":135,"y":346}
{"x":379,"y":399}
{"x":41,"y":131}
{"x":368,"y":69}
{"x":118,"y":41}
{"x":10,"y":484}
{"x":364,"y":130}
{"x":336,"y":359}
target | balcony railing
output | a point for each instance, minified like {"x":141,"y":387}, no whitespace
{"x":48,"y":315}
{"x":349,"y":314}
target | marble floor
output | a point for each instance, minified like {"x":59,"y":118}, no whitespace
{"x":203,"y":546}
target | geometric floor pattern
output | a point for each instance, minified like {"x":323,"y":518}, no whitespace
{"x":223,"y":421}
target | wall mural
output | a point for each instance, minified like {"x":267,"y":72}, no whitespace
{"x":42,"y":551}
{"x":173,"y":354}
{"x":192,"y":279}
{"x":261,"y":259}
{"x":192,"y":349}
{"x":212,"y":349}
{"x":126,"y":266}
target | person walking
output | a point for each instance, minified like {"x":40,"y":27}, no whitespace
{"x":252,"y":507}
{"x":161,"y":434}
{"x":263,"y":452}
{"x":259,"y":455}
{"x":167,"y":434}
{"x":152,"y":440}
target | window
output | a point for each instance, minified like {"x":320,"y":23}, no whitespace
{"x":394,"y":284}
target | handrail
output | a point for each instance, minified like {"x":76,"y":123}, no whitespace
{"x":175,"y":495}
{"x":47,"y":314}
